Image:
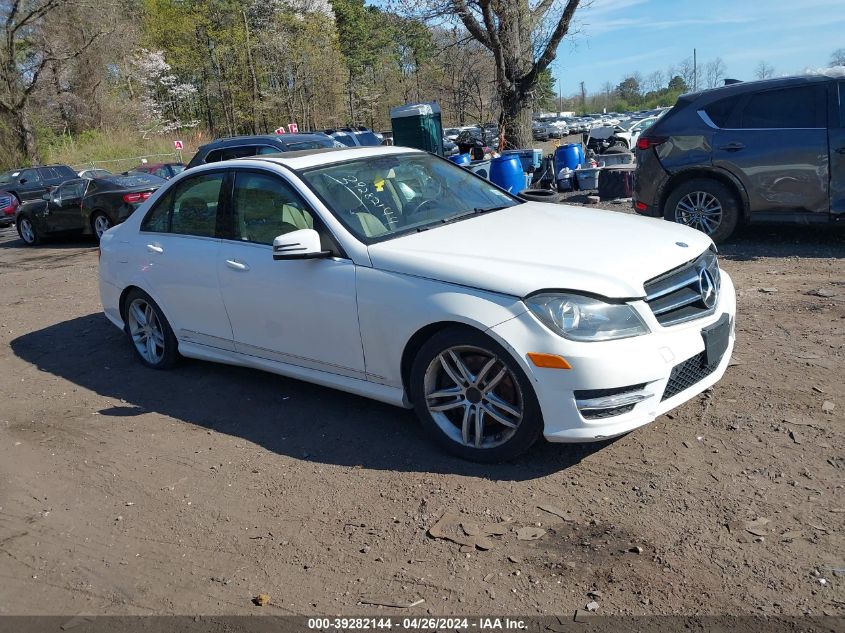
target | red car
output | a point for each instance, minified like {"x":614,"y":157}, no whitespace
{"x":162,"y":170}
{"x":8,"y":207}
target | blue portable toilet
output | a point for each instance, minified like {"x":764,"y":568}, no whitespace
{"x":506,"y":171}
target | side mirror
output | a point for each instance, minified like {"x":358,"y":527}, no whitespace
{"x":301,"y":244}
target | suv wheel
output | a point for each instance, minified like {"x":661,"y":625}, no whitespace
{"x":473,"y":398}
{"x":706,"y":205}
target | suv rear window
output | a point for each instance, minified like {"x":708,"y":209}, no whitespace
{"x":785,"y":108}
{"x":720,"y":111}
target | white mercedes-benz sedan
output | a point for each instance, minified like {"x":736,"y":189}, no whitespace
{"x":396,"y":275}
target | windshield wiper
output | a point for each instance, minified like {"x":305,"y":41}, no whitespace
{"x":462,"y":216}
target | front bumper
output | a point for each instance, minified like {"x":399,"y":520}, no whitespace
{"x":643,"y":361}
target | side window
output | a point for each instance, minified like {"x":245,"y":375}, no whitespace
{"x":241,"y":151}
{"x":190,"y":208}
{"x":214,"y":156}
{"x":721,"y":110}
{"x":267,"y":149}
{"x":71,"y":190}
{"x":30,"y":175}
{"x":265,"y":207}
{"x":783,"y":109}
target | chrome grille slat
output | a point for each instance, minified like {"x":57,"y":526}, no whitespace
{"x":675,"y":297}
{"x":5,"y":201}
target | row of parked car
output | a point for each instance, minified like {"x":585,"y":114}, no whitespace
{"x":55,"y":200}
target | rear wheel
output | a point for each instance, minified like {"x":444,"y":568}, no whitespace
{"x":473,"y":398}
{"x":706,"y":205}
{"x":100,"y":223}
{"x":541,"y":195}
{"x":148,"y":329}
{"x":27,"y":231}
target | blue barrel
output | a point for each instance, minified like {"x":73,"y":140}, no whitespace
{"x":461,"y":159}
{"x":582,"y":158}
{"x":569,"y":155}
{"x":506,"y":171}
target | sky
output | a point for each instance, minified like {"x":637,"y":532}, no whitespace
{"x":614,"y":38}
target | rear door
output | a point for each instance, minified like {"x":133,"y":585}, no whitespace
{"x":176,"y":251}
{"x":836,"y":134}
{"x":775,"y":142}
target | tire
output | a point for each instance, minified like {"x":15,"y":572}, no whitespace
{"x":695,"y":203}
{"x":541,"y":195}
{"x":454,"y":426}
{"x":27,"y":231}
{"x":138,"y":309}
{"x":100,"y":223}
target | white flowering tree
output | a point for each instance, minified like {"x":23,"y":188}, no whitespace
{"x":167,"y":103}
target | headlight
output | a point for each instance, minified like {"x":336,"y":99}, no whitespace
{"x":586,"y":319}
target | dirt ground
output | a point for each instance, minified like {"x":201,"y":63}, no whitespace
{"x":130,"y":491}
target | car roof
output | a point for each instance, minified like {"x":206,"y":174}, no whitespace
{"x":762,"y":84}
{"x":267,"y":138}
{"x":302,"y":159}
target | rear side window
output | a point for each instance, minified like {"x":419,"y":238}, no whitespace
{"x":241,"y":151}
{"x":190,"y":208}
{"x":800,"y":107}
{"x":721,"y":110}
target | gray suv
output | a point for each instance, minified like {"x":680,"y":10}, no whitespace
{"x":759,"y":151}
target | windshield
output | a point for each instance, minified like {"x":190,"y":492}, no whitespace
{"x":380,"y":198}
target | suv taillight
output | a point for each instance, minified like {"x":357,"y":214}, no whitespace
{"x":646,"y":142}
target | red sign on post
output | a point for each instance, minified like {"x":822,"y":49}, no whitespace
{"x":280,"y":130}
{"x":178,"y":145}
{"x":293,"y":128}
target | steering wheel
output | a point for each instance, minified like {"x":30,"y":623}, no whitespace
{"x":420,"y":206}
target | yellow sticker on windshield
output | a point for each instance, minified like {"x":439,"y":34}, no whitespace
{"x":379,"y":184}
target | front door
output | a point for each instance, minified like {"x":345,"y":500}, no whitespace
{"x":65,"y":206}
{"x":776,"y":144}
{"x":301,"y":312}
{"x":177,"y":251}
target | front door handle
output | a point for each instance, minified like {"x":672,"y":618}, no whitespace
{"x":153,"y":248}
{"x":732,"y":147}
{"x":234,"y":264}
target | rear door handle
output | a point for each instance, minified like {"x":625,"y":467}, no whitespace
{"x":234,"y":264}
{"x":154,"y":249}
{"x":732,"y":147}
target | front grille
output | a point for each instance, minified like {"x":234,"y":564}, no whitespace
{"x":686,"y":374}
{"x":676,"y":296}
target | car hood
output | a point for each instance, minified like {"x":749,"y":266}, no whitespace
{"x":538,"y":246}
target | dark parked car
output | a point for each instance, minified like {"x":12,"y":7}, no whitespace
{"x":355,"y":137}
{"x":162,"y":170}
{"x":8,"y":207}
{"x":84,"y":206}
{"x":30,"y":183}
{"x":243,"y":146}
{"x":759,"y":151}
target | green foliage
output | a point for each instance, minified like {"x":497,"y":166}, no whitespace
{"x":544,"y":93}
{"x":677,"y":84}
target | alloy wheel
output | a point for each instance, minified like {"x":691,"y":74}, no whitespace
{"x":27,"y":231}
{"x":146,"y":331}
{"x":699,"y":210}
{"x":473,"y":397}
{"x":101,"y":225}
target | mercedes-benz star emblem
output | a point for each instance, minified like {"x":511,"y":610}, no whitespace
{"x":707,"y":289}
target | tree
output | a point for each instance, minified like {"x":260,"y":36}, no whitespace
{"x":764,"y":70}
{"x":654,"y":81}
{"x":678,"y":84}
{"x":26,"y":54}
{"x":522,"y":36}
{"x":714,"y":72}
{"x":837,"y":57}
{"x":629,"y":89}
{"x":689,"y":72}
{"x":544,"y":99}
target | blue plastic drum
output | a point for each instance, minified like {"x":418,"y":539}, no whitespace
{"x":506,"y":171}
{"x":461,"y":159}
{"x":570,"y":155}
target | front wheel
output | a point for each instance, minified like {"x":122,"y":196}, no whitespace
{"x":148,"y":329}
{"x":100,"y":223}
{"x":473,"y":398}
{"x":27,"y":231}
{"x":705,"y":205}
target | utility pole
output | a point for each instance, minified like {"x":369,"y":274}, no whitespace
{"x":694,"y":70}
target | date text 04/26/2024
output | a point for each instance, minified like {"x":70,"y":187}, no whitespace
{"x":420,"y":623}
